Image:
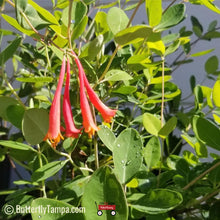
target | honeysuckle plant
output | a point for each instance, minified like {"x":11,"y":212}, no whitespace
{"x":90,"y":115}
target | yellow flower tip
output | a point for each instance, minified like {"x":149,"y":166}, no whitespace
{"x":91,"y":131}
{"x":54,"y":141}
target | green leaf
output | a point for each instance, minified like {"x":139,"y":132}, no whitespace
{"x":182,"y":167}
{"x":200,"y":148}
{"x":79,"y":29}
{"x":91,"y":49}
{"x":168,"y":127}
{"x":117,"y":20}
{"x":79,"y":10}
{"x":210,"y":5}
{"x":8,"y":52}
{"x":133,"y":35}
{"x":16,"y":145}
{"x":19,"y":151}
{"x":197,"y":27}
{"x":44,"y":13}
{"x":152,"y":152}
{"x":55,"y":209}
{"x":127,"y":154}
{"x":30,"y":12}
{"x":15,"y":115}
{"x":48,"y":170}
{"x":211,"y":35}
{"x":190,"y":157}
{"x":72,"y":190}
{"x":5,"y":102}
{"x":106,"y":136}
{"x":69,"y":144}
{"x":211,"y":65}
{"x":154,"y":11}
{"x":101,"y":25}
{"x":117,"y":75}
{"x":206,"y":132}
{"x":159,"y":79}
{"x":158,"y":201}
{"x":151,"y":123}
{"x":215,"y":93}
{"x":202,"y":53}
{"x":17,"y":26}
{"x":41,"y":79}
{"x":125,"y":90}
{"x":155,"y":43}
{"x":104,"y":187}
{"x":35,"y":125}
{"x":173,"y":16}
{"x":172,"y":48}
{"x":198,"y":95}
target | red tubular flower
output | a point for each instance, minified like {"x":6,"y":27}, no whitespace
{"x":53,"y":133}
{"x":88,"y":121}
{"x":105,"y":111}
{"x":71,"y":130}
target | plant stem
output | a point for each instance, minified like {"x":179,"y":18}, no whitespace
{"x":70,"y":160}
{"x":118,"y":46}
{"x":162,"y":98}
{"x":96,"y":152}
{"x":27,"y":20}
{"x":203,"y":199}
{"x":200,"y":176}
{"x":69,"y":23}
{"x":43,"y":187}
{"x":169,"y":6}
{"x":12,"y":90}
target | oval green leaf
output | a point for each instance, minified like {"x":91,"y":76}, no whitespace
{"x":151,"y":123}
{"x":216,"y":93}
{"x":127,"y":154}
{"x":152,"y":152}
{"x":106,"y":136}
{"x":104,"y":187}
{"x":173,"y":16}
{"x":117,"y":20}
{"x":117,"y":75}
{"x":47,"y":170}
{"x":35,"y":125}
{"x":206,"y":132}
{"x":158,"y":201}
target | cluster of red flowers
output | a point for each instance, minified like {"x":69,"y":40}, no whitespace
{"x":54,"y":132}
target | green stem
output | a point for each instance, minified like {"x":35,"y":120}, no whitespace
{"x":70,"y":160}
{"x":69,"y":23}
{"x":118,"y":46}
{"x":43,"y":187}
{"x":12,"y":90}
{"x":205,"y":198}
{"x":201,"y":176}
{"x":161,"y":163}
{"x":162,"y":98}
{"x":96,"y":151}
{"x":27,"y":20}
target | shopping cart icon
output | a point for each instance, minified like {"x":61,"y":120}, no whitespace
{"x":105,"y":206}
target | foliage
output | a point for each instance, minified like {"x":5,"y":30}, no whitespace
{"x":136,"y":162}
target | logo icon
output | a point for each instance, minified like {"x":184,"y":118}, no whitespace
{"x":106,"y":206}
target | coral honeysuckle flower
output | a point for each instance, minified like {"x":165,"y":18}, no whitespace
{"x":53,"y":133}
{"x":71,"y":130}
{"x":105,"y":111}
{"x":88,"y":121}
